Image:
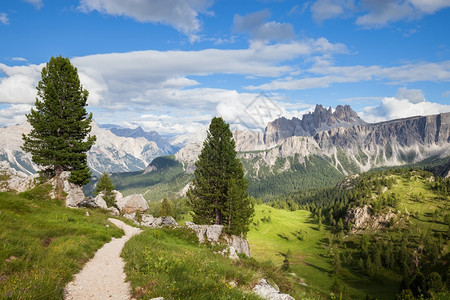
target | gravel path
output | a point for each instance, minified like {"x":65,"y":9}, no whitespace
{"x":103,"y":277}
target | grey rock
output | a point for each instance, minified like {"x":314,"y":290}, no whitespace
{"x":113,"y":211}
{"x":147,"y":220}
{"x":268,"y":292}
{"x":16,"y":181}
{"x":132,"y":203}
{"x":214,"y":234}
{"x":130,"y":216}
{"x":100,"y":202}
{"x":74,"y":192}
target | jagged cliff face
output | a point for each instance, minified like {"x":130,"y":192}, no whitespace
{"x":348,"y":144}
{"x":311,"y":123}
{"x":359,"y":148}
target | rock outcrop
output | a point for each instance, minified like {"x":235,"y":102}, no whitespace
{"x":74,"y":193}
{"x":268,"y":292}
{"x":215,"y":235}
{"x":363,"y":218}
{"x":132,"y":203}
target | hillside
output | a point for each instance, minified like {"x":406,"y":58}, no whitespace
{"x":43,"y":244}
{"x":370,"y":235}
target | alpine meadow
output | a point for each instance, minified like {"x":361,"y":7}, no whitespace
{"x":206,"y":149}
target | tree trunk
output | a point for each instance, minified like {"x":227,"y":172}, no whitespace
{"x":59,"y":182}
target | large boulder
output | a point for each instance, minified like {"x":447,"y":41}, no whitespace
{"x":239,"y":243}
{"x":268,"y":292}
{"x":74,"y":193}
{"x":132,"y":203}
{"x":16,"y":181}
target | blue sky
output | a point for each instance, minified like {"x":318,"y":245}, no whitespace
{"x":170,"y":66}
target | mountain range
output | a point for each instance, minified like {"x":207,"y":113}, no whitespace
{"x":337,"y":142}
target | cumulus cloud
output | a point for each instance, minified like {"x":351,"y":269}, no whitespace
{"x":412,"y":95}
{"x":180,"y":14}
{"x":14,"y":114}
{"x":19,"y":83}
{"x":257,"y":25}
{"x":4,"y":18}
{"x":393,"y":108}
{"x":376,"y":13}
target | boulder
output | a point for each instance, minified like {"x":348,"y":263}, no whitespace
{"x":130,"y":216}
{"x":132,"y":203}
{"x":74,"y":192}
{"x":88,"y":202}
{"x":100,"y":202}
{"x":150,"y":221}
{"x":113,"y":211}
{"x":147,"y":220}
{"x":266,"y":291}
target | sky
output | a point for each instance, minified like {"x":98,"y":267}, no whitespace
{"x":172,"y":65}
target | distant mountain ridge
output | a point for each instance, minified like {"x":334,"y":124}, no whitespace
{"x":110,"y":153}
{"x":151,"y":136}
{"x":320,"y":119}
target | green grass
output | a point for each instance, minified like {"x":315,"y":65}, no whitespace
{"x":43,"y":244}
{"x":268,"y":238}
{"x":170,"y":263}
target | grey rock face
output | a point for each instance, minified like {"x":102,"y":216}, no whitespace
{"x":266,"y":291}
{"x":74,"y":192}
{"x":12,"y":180}
{"x":321,"y":119}
{"x":214,"y":234}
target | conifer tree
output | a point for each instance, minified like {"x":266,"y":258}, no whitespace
{"x":166,"y":208}
{"x":59,"y":139}
{"x":219,"y":192}
{"x":105,"y":186}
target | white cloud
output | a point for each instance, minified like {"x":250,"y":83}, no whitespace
{"x":19,"y":84}
{"x":376,"y":13}
{"x":446,"y":94}
{"x":436,"y":72}
{"x":4,"y":18}
{"x":15,"y":114}
{"x":329,"y":9}
{"x":180,"y":14}
{"x":393,"y":108}
{"x":412,"y":95}
{"x":19,"y":59}
{"x":259,"y":28}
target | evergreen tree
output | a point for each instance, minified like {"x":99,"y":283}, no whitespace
{"x":166,"y":208}
{"x":105,"y":186}
{"x":59,"y":139}
{"x":219,"y":192}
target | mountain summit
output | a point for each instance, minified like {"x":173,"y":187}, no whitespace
{"x":318,"y":120}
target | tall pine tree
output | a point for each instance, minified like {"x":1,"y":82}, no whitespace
{"x":219,"y":192}
{"x":59,"y":139}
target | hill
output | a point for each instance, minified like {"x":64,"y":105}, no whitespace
{"x":43,"y":243}
{"x":373,"y":234}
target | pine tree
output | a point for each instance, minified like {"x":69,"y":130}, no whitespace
{"x":219,"y":192}
{"x":166,"y":208}
{"x":105,"y":186}
{"x":59,"y":139}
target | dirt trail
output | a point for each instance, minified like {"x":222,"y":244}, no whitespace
{"x":103,"y":277}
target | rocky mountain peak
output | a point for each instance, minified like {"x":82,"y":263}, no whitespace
{"x":311,"y":123}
